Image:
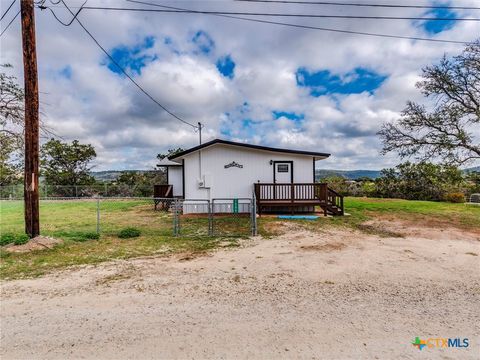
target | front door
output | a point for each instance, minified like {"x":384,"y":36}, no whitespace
{"x":283,"y":172}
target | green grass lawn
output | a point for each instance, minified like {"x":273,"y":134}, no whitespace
{"x":457,"y":215}
{"x":73,"y":221}
{"x":360,"y":210}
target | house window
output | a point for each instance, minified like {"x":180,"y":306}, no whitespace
{"x":282,"y":168}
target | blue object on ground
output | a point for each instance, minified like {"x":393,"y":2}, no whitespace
{"x":298,"y":217}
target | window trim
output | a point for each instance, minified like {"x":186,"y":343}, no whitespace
{"x":282,"y":162}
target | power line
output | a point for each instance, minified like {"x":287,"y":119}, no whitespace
{"x":10,"y":23}
{"x":351,"y":32}
{"x":8,"y":9}
{"x":362,"y":5}
{"x":122,"y":69}
{"x":243,"y":13}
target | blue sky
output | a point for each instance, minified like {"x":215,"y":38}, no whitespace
{"x":203,"y":41}
{"x":435,"y":27}
{"x":226,"y":66}
{"x":132,"y":57}
{"x":257,"y":83}
{"x":324,"y":82}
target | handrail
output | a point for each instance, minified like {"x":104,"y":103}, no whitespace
{"x":336,"y":201}
{"x":288,"y":184}
{"x":333,"y":191}
{"x":293,"y":193}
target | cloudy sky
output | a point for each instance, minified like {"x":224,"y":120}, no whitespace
{"x":250,"y":82}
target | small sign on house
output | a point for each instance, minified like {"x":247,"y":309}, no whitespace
{"x":233,"y":164}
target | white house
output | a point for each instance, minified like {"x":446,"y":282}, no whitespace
{"x":221,"y":169}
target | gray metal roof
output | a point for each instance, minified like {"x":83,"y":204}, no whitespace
{"x":257,"y":147}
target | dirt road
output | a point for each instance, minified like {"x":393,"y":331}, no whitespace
{"x":336,"y":294}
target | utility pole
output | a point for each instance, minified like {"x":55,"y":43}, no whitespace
{"x":200,"y":151}
{"x":200,"y":131}
{"x":32,"y":223}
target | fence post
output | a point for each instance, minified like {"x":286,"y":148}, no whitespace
{"x":211,"y":207}
{"x":98,"y":216}
{"x":254,"y":215}
{"x":175,"y":220}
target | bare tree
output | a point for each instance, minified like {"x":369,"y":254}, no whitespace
{"x":11,"y":107}
{"x":12,"y":102}
{"x":445,"y":132}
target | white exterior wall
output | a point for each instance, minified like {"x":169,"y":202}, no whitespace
{"x":234,"y":182}
{"x":175,"y":179}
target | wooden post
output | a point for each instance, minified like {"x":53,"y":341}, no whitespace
{"x":292,"y":196}
{"x":32,"y":223}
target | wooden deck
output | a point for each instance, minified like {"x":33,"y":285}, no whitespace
{"x":162,"y":194}
{"x":297,"y":197}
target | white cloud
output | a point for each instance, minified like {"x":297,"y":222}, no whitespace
{"x":98,"y":106}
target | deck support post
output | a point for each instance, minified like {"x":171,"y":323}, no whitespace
{"x":292,"y":197}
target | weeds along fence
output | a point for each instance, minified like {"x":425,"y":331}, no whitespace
{"x":78,"y":218}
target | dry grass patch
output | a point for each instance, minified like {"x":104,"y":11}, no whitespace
{"x":324,"y":247}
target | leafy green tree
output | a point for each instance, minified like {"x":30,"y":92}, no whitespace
{"x":421,"y":181}
{"x":10,"y":162}
{"x":129,"y":178}
{"x":473,"y":182}
{"x":139,"y":183}
{"x":67,"y":164}
{"x":338,"y":183}
{"x":444,"y":132}
{"x":170,"y":152}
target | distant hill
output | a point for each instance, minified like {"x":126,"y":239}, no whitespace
{"x":472,"y":169}
{"x":356,"y":174}
{"x":347,"y":174}
{"x":110,"y":175}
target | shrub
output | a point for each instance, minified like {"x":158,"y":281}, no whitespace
{"x":455,"y":197}
{"x":92,"y":236}
{"x":129,"y":232}
{"x":81,"y":237}
{"x":6,"y":239}
{"x":21,"y":239}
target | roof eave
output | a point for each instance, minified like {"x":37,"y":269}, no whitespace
{"x":316,"y":155}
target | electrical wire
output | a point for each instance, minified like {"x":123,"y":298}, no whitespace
{"x":42,"y":7}
{"x":8,"y":9}
{"x":351,"y":32}
{"x":243,"y":13}
{"x":10,"y":23}
{"x":381,"y":5}
{"x":121,"y":68}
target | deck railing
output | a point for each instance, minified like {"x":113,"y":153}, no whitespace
{"x":292,"y":192}
{"x":163,"y":191}
{"x":298,"y":194}
{"x":335,"y":199}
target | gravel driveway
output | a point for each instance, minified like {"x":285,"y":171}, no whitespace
{"x":329,"y":294}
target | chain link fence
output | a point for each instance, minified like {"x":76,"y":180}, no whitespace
{"x":219,"y":217}
{"x":233,"y":217}
{"x":13,"y":192}
{"x":69,"y":217}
